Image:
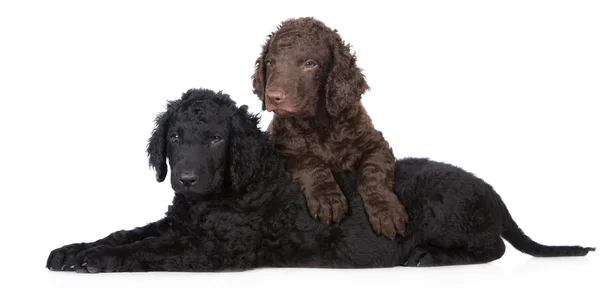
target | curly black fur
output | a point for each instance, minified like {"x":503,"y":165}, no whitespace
{"x":235,"y":209}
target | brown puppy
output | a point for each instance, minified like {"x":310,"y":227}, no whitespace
{"x":307,"y":76}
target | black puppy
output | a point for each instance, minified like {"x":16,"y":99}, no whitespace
{"x":235,"y":209}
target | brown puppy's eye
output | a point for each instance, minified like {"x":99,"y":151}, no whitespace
{"x":310,"y":64}
{"x":268,"y":62}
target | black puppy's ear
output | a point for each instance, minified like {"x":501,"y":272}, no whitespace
{"x":345,"y":83}
{"x":258,"y":78}
{"x":157,"y":146}
{"x":247,"y":149}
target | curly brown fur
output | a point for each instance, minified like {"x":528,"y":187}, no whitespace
{"x":308,"y":77}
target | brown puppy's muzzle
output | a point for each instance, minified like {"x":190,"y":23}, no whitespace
{"x":275,"y":97}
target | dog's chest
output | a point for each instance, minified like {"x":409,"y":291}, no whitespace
{"x":338,"y":150}
{"x":228,"y":227}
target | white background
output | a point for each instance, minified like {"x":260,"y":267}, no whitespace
{"x":508,"y":91}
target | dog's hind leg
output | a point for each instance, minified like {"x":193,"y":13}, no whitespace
{"x":429,"y":255}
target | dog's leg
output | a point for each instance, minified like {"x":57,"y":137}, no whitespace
{"x":375,"y":185}
{"x":427,"y":256}
{"x":164,"y":254}
{"x":323,"y":196}
{"x":63,"y":259}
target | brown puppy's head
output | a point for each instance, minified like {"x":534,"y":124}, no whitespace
{"x":306,"y":68}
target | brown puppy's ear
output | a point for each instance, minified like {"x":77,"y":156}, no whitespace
{"x":345,"y":83}
{"x":157,"y":145}
{"x":258,"y":78}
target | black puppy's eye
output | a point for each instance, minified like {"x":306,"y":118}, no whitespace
{"x":310,"y":64}
{"x":174,"y":138}
{"x":215,"y":139}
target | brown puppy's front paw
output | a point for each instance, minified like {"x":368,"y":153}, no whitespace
{"x":329,"y":205}
{"x":387,"y":215}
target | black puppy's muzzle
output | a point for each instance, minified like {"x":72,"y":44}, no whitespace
{"x":188,"y":178}
{"x":191,"y":180}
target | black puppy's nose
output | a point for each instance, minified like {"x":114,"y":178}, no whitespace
{"x":188,"y":178}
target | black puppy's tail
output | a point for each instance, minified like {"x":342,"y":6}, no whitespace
{"x":518,"y":239}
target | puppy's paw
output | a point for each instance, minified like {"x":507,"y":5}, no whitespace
{"x":387,"y":215}
{"x":63,"y":259}
{"x":98,"y":259}
{"x":419,"y":257}
{"x":329,"y":206}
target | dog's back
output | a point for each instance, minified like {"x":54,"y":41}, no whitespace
{"x":449,"y":209}
{"x":457,"y":218}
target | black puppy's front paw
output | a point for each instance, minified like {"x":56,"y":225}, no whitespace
{"x":98,"y":259}
{"x":63,"y":259}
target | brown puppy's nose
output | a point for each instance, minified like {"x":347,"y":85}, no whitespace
{"x":275,"y":96}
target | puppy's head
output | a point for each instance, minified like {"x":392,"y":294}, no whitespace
{"x":210,"y":144}
{"x":305,"y":69}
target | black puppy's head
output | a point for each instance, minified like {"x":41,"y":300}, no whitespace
{"x":209,"y":143}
